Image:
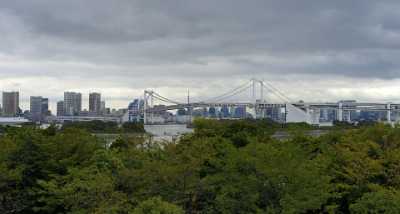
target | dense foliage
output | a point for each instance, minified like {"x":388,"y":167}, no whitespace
{"x":224,"y":167}
{"x":98,"y":126}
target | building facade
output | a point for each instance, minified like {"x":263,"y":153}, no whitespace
{"x":39,"y":108}
{"x":103,"y":108}
{"x":11,"y":104}
{"x":225,"y":111}
{"x":60,"y":108}
{"x":135,"y":110}
{"x":45,"y":107}
{"x":95,"y":103}
{"x":240,"y":112}
{"x":72,"y":103}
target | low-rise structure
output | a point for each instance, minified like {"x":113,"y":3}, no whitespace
{"x":63,"y":119}
{"x":12,"y":121}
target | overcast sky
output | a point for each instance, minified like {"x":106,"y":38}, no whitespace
{"x":312,"y":50}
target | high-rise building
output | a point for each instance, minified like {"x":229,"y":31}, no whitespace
{"x":10,"y":104}
{"x":135,"y":110}
{"x":60,"y":108}
{"x":45,"y":107}
{"x":72,"y":103}
{"x":103,"y":108}
{"x":225,"y":111}
{"x":240,"y":111}
{"x":39,"y":108}
{"x":212,"y":112}
{"x":95,"y":103}
{"x":36,"y":108}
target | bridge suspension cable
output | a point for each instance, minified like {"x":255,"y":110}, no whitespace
{"x":235,"y":93}
{"x":276,"y":92}
{"x":162,"y":98}
{"x":230,"y":93}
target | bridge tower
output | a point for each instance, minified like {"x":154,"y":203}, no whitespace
{"x":340,"y":112}
{"x":148,"y":104}
{"x":253,"y":93}
{"x":262,"y":91}
{"x":254,"y":84}
{"x":190,"y":108}
{"x":258,"y":101}
{"x":145,"y":107}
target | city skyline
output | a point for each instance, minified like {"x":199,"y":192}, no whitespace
{"x":331,"y":51}
{"x":123,"y":102}
{"x":150,"y":110}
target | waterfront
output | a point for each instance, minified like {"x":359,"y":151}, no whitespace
{"x":157,"y":133}
{"x":172,"y":132}
{"x":167,"y":130}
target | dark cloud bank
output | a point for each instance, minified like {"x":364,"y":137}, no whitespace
{"x":329,"y":49}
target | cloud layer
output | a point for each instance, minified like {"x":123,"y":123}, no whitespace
{"x":312,"y":50}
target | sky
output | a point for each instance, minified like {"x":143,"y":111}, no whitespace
{"x":311,"y":50}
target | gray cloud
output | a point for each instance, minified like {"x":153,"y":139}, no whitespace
{"x":121,"y":47}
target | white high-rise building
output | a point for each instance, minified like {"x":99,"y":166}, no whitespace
{"x":72,"y":103}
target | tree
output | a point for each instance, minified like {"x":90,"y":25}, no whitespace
{"x":89,"y":189}
{"x":224,"y":167}
{"x":380,"y":201}
{"x":157,"y":206}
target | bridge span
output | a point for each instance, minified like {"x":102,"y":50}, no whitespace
{"x":285,"y":110}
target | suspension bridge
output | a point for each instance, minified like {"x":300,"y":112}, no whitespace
{"x":264,"y":100}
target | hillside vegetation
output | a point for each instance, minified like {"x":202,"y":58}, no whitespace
{"x":223,"y":167}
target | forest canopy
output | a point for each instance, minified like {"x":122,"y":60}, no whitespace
{"x":223,"y":167}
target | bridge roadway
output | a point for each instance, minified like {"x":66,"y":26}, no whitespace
{"x":351,"y":106}
{"x":159,"y":108}
{"x":346,"y":106}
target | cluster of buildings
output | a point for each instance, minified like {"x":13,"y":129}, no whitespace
{"x":72,"y":105}
{"x":348,"y":111}
{"x":163,"y":116}
{"x":68,"y":109}
{"x":223,"y":112}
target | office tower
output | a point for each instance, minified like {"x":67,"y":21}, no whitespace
{"x":10,"y":104}
{"x":36,"y":108}
{"x":103,"y":107}
{"x":39,"y":108}
{"x":60,"y":108}
{"x":45,"y":107}
{"x":135,"y":110}
{"x":212,"y":112}
{"x":240,"y":111}
{"x":95,"y":103}
{"x":72,"y":103}
{"x":225,"y":111}
{"x":232,"y":111}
